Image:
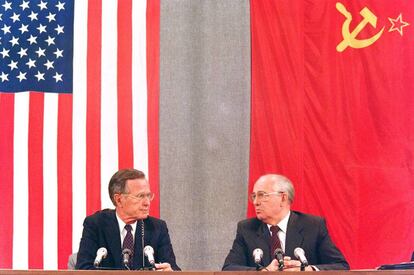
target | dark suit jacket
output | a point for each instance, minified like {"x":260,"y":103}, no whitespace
{"x":102,"y":230}
{"x":305,"y":231}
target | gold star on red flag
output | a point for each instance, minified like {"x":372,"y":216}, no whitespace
{"x":398,"y":24}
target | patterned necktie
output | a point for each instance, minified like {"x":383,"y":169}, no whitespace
{"x":129,"y":242}
{"x":274,"y":240}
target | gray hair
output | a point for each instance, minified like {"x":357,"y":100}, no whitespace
{"x":283,"y":184}
{"x":117,"y":184}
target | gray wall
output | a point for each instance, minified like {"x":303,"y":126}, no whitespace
{"x":204,"y":126}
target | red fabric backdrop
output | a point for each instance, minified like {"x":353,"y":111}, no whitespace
{"x":339,"y":124}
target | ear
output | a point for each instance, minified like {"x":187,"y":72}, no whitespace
{"x":285,"y":198}
{"x":118,"y":200}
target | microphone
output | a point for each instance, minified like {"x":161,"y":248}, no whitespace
{"x":100,"y":255}
{"x":300,"y":255}
{"x":257,"y":255}
{"x":279,"y":257}
{"x":126,"y":255}
{"x":149,"y":252}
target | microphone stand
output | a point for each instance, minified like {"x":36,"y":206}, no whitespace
{"x":259,"y":267}
{"x":282,"y":265}
{"x":303,"y":266}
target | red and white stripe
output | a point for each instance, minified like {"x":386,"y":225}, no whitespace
{"x":58,"y":152}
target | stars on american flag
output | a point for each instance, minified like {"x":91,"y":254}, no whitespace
{"x":42,"y":5}
{"x":22,"y":52}
{"x":5,"y":29}
{"x":40,"y":52}
{"x":15,"y":17}
{"x":33,"y":16}
{"x":32,"y":39}
{"x":12,"y":65}
{"x":23,"y":28}
{"x":59,"y":29}
{"x":24,"y":5}
{"x":31,"y":63}
{"x":4,"y":53}
{"x":14,"y":41}
{"x":4,"y":77}
{"x":49,"y":64}
{"x":40,"y":76}
{"x":7,"y":5}
{"x":51,"y":17}
{"x":58,"y":53}
{"x":60,"y":6}
{"x":21,"y":76}
{"x":50,"y":40}
{"x":33,"y":43}
{"x":41,"y":28}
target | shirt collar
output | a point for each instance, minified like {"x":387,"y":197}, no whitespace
{"x":282,"y":224}
{"x":122,"y":224}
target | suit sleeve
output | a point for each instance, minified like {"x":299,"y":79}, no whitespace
{"x":88,"y":245}
{"x":237,"y":257}
{"x":165,"y":252}
{"x":329,"y":256}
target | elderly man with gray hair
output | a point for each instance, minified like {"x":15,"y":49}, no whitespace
{"x":270,"y":241}
{"x":126,"y":237}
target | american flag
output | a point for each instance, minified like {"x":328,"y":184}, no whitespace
{"x":79,"y":84}
{"x":37,"y":46}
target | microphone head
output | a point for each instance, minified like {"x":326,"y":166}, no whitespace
{"x":279,"y":251}
{"x":258,"y":252}
{"x":126,"y":251}
{"x":278,"y":255}
{"x":257,"y":255}
{"x":299,"y":252}
{"x":148,"y":250}
{"x":102,"y":251}
{"x":100,"y":254}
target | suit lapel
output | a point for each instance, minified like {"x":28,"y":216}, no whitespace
{"x":138,"y":246}
{"x":263,"y":242}
{"x":294,"y":235}
{"x":113,"y":237}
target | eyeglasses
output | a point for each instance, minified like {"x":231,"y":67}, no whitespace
{"x":263,"y":196}
{"x":141,"y":196}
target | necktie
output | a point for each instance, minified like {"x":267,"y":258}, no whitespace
{"x":274,"y":240}
{"x":129,"y":242}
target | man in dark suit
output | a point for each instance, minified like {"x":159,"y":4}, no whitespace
{"x":126,"y":227}
{"x":272,"y":197}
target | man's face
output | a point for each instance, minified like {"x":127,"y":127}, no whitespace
{"x":135,"y":204}
{"x":269,"y":208}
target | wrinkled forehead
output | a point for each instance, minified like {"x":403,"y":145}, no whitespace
{"x":266,"y":183}
{"x":136,"y":186}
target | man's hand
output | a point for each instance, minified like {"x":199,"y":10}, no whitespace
{"x":293,"y":265}
{"x":163,"y":267}
{"x":273,"y":266}
{"x":290,"y":265}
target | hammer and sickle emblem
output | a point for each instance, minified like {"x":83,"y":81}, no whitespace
{"x":350,"y":37}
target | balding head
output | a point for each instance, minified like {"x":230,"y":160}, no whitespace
{"x":278,"y":183}
{"x":272,"y":196}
